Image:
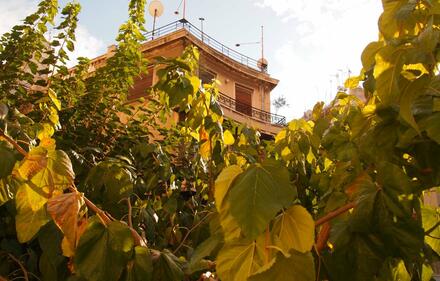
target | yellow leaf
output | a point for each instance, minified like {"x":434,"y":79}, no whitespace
{"x":294,"y":229}
{"x":31,"y":212}
{"x":64,"y":210}
{"x":34,"y":162}
{"x":46,"y":132}
{"x":352,"y":82}
{"x":48,"y":143}
{"x":54,"y":99}
{"x":280,"y":136}
{"x":228,"y":138}
{"x":240,"y":259}
{"x":223,"y":182}
{"x":286,"y":153}
{"x":205,"y":149}
{"x":242,"y":140}
{"x":222,"y":185}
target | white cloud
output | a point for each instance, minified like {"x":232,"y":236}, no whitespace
{"x":325,"y":39}
{"x":86,"y":45}
{"x":12,"y":12}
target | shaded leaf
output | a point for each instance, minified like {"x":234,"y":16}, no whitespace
{"x":103,"y":252}
{"x":167,"y":267}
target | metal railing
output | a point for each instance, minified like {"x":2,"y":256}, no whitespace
{"x":251,"y":111}
{"x":206,"y":39}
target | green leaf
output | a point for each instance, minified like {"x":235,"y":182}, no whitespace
{"x":103,"y":252}
{"x":167,"y":267}
{"x":394,"y":270}
{"x":203,"y":250}
{"x":430,"y":219}
{"x":31,"y":212}
{"x":238,"y":260}
{"x":7,"y":160}
{"x":412,"y":91}
{"x":295,"y":267}
{"x":142,"y":266}
{"x":294,"y":229}
{"x":258,"y":194}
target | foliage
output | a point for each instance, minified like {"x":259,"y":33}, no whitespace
{"x":97,"y":186}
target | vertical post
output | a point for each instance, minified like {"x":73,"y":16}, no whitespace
{"x":262,"y":42}
{"x":154,"y":22}
{"x":201,"y":25}
{"x":184,"y":8}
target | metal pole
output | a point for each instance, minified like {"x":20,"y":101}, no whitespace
{"x":201,"y":24}
{"x":184,"y":8}
{"x":154,"y":22}
{"x":262,"y":42}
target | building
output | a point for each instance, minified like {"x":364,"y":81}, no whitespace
{"x":245,"y":86}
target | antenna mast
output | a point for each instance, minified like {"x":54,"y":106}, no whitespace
{"x":262,"y":42}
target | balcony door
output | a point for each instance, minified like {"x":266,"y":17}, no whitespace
{"x":243,"y":97}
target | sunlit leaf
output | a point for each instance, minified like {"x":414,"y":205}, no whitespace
{"x":64,"y":210}
{"x":228,"y":138}
{"x":294,"y":229}
{"x":258,"y":194}
{"x":238,"y":260}
{"x":295,"y":267}
{"x":31,"y":211}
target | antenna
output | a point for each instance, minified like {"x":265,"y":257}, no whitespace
{"x":156,"y":10}
{"x":176,"y":12}
{"x":262,"y":63}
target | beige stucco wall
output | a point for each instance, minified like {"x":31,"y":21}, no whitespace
{"x":228,"y":73}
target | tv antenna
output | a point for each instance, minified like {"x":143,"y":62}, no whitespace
{"x":262,"y":63}
{"x":184,"y":9}
{"x":156,"y":10}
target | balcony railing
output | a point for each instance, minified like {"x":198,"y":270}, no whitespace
{"x":206,"y":39}
{"x":253,"y":112}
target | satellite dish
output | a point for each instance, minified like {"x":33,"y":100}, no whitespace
{"x":156,"y":8}
{"x":262,"y":64}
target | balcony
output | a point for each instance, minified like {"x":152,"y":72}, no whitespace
{"x":206,"y":39}
{"x":250,"y":111}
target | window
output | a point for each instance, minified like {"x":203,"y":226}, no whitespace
{"x":206,"y":76}
{"x":141,"y":84}
{"x":243,"y":97}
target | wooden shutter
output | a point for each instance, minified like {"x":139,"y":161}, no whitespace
{"x":243,"y":98}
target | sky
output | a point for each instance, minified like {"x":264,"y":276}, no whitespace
{"x":311,"y":45}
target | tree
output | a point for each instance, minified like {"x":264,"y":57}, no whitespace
{"x":280,"y":102}
{"x":86,"y":196}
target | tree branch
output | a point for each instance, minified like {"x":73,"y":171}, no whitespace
{"x":13,"y":142}
{"x":25,"y":273}
{"x":335,"y":213}
{"x":189,"y":232}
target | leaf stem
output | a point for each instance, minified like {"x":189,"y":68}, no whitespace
{"x":189,"y":232}
{"x":13,"y":142}
{"x":335,"y":213}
